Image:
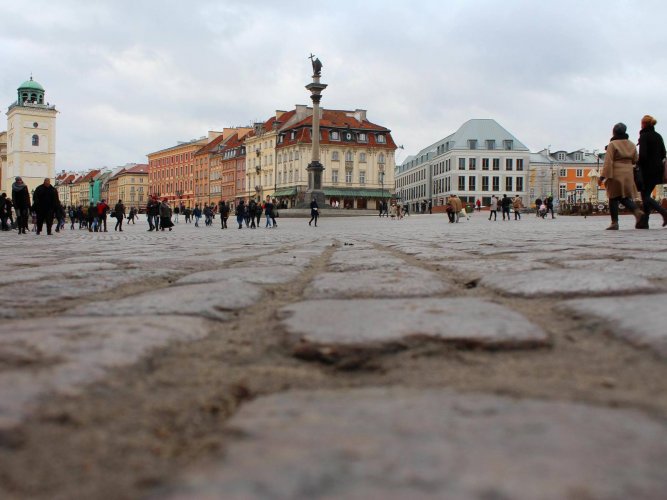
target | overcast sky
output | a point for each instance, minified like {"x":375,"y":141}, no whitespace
{"x":131,"y":77}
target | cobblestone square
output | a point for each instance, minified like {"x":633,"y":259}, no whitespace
{"x":363,"y":358}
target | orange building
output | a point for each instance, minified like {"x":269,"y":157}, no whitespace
{"x":171,"y":171}
{"x":227,"y":163}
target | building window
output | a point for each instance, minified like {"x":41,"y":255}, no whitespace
{"x":490,"y":144}
{"x":560,"y":156}
{"x":563,"y":172}
{"x":519,"y":183}
{"x":496,"y":164}
{"x":519,"y":165}
{"x":349,"y":156}
{"x":35,"y":140}
{"x":362,"y":157}
{"x":334,"y":135}
{"x":485,"y":183}
{"x":472,"y":183}
{"x":334,"y":176}
{"x":380,"y":158}
{"x":496,"y":183}
{"x":334,"y":156}
{"x":362,"y":177}
{"x":580,"y":172}
{"x":485,"y":163}
{"x":362,"y":137}
{"x":348,"y":176}
{"x":562,"y":191}
{"x":472,"y":163}
{"x":462,"y":183}
{"x":462,"y":163}
{"x":381,"y":139}
{"x":509,"y":164}
{"x":508,"y":183}
{"x":472,"y":144}
{"x":508,"y":145}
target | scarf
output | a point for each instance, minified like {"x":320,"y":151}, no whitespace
{"x":17,"y":187}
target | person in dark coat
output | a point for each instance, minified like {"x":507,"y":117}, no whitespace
{"x":651,"y":166}
{"x":223,"y":208}
{"x":21,"y":201}
{"x":314,"y":212}
{"x":119,"y":214}
{"x":240,"y":213}
{"x":46,"y":201}
{"x":165,"y":215}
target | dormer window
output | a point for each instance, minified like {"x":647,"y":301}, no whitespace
{"x":293,"y":135}
{"x":490,"y":144}
{"x":381,"y":139}
{"x":347,"y":136}
{"x":560,"y":156}
{"x":578,"y":156}
{"x":472,"y":144}
{"x":362,"y":137}
{"x":334,"y":135}
{"x":508,"y":145}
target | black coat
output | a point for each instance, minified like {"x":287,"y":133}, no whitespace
{"x":651,"y":154}
{"x":45,"y":198}
{"x":21,"y":198}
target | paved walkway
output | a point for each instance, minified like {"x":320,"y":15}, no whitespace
{"x":364,"y":358}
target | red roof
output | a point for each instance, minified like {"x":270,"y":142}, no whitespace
{"x":140,"y":168}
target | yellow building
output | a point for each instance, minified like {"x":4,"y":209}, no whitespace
{"x":31,"y":138}
{"x":3,"y":162}
{"x":131,"y":186}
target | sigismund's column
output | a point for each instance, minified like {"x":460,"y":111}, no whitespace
{"x":315,"y":168}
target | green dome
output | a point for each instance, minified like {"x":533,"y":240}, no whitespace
{"x":31,"y":85}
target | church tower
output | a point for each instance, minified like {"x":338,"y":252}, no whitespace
{"x":31,"y":138}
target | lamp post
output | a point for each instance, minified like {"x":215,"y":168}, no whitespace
{"x":258,"y":171}
{"x":91,"y":194}
{"x":382,"y":184}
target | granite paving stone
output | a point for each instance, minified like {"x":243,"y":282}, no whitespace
{"x":209,"y":300}
{"x":565,"y":282}
{"x":410,"y":443}
{"x":473,"y":269}
{"x":638,"y":319}
{"x":42,"y":357}
{"x":406,"y":281}
{"x":652,"y":269}
{"x":266,"y":276}
{"x":358,"y":260}
{"x":374,"y":323}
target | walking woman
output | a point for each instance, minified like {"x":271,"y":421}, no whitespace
{"x":650,"y":163}
{"x":617,"y":173}
{"x":165,"y":215}
{"x":119,"y":214}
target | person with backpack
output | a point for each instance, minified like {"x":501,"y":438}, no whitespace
{"x":21,"y":201}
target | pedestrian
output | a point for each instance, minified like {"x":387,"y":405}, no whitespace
{"x":258,"y":212}
{"x":449,"y":208}
{"x":3,"y":211}
{"x":550,"y":206}
{"x":152,"y":210}
{"x":651,"y":167}
{"x":493,"y":208}
{"x":59,"y":215}
{"x":268,"y":210}
{"x":618,"y":175}
{"x":165,"y":215}
{"x":315,"y":212}
{"x":208,"y":215}
{"x":119,"y":213}
{"x":517,"y":205}
{"x":177,"y":210}
{"x":45,"y":203}
{"x":196,"y":214}
{"x":92,"y":217}
{"x":240,"y":213}
{"x":274,"y":213}
{"x":457,"y":205}
{"x":505,"y":204}
{"x":430,"y":207}
{"x":102,"y":210}
{"x":478,"y":204}
{"x":223,"y":209}
{"x":21,"y":201}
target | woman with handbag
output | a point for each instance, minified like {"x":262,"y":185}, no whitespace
{"x":651,"y":167}
{"x":617,"y":174}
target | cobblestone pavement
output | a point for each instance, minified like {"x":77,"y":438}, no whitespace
{"x":364,"y":358}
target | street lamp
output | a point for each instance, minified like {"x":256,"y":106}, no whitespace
{"x":382,"y":184}
{"x":258,"y":171}
{"x":91,"y":195}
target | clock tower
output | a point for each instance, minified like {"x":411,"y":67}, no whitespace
{"x":31,"y":138}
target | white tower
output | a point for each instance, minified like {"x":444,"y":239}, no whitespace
{"x":31,"y":138}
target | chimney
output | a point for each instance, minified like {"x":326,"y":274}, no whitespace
{"x":360,"y":115}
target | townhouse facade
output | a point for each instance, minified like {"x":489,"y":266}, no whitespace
{"x":479,"y":160}
{"x":358,"y":159}
{"x":171,"y":171}
{"x":228,"y":167}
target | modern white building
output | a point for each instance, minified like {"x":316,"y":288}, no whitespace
{"x":477,"y":161}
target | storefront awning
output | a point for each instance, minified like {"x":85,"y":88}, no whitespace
{"x":284,"y":192}
{"x":356,"y":193}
